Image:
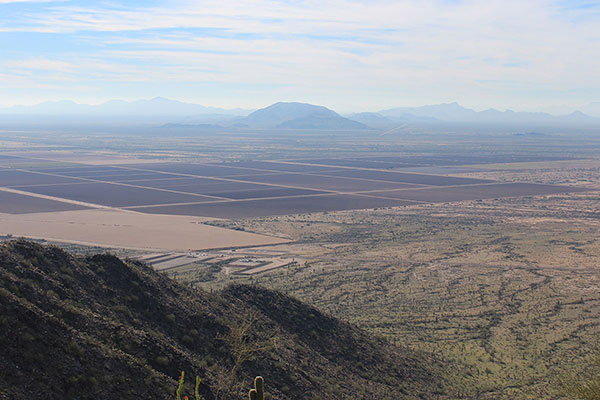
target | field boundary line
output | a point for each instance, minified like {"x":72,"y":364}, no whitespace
{"x":235,"y":180}
{"x":59,"y":199}
{"x":236,"y":200}
{"x":91,"y":180}
{"x":363,"y":168}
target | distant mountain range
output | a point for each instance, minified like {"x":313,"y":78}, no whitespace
{"x":381,"y":121}
{"x":298,"y":116}
{"x":155,"y":106}
{"x":455,"y":113}
{"x":592,"y":109}
{"x":174,"y":114}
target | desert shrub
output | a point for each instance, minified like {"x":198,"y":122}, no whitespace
{"x":162,"y":361}
{"x":584,"y":383}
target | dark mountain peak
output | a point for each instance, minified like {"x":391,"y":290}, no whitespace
{"x":284,"y":111}
{"x":294,"y":115}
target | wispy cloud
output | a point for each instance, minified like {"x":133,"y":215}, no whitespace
{"x":28,"y":1}
{"x":349,"y":53}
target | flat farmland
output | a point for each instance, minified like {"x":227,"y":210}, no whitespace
{"x":265,"y":193}
{"x":9,"y":161}
{"x":78,"y":171}
{"x":7,"y":158}
{"x":111,"y":195}
{"x":279,"y":206}
{"x":233,"y":190}
{"x":280,"y":166}
{"x":193,"y":169}
{"x":200,"y":185}
{"x":69,"y":157}
{"x":402,"y":177}
{"x":359,"y":163}
{"x":13,"y":203}
{"x":16,"y":161}
{"x":104,"y":173}
{"x":117,"y":174}
{"x":322,"y":182}
{"x":245,"y":189}
{"x":19,"y":178}
{"x":139,"y":176}
{"x":170,"y":181}
{"x":230,"y":190}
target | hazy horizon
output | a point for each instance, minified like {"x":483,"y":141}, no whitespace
{"x":555,"y":111}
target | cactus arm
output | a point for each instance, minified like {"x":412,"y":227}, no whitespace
{"x":259,"y":385}
{"x":198,"y":380}
{"x":181,"y":379}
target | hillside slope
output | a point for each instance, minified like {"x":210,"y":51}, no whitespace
{"x":98,"y":327}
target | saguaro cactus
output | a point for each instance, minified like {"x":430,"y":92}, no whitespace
{"x":196,"y":389}
{"x":182,"y":380}
{"x":258,"y":393}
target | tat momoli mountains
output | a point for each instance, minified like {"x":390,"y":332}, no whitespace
{"x":299,"y":116}
{"x":285,"y":115}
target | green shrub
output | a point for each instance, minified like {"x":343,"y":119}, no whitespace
{"x":162,"y":361}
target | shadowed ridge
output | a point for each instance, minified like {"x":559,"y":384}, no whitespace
{"x":346,"y":345}
{"x":104,"y":328}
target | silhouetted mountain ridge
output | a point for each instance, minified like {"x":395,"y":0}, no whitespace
{"x":298,"y":116}
{"x":284,"y":115}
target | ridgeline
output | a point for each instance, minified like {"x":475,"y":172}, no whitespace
{"x":103,"y":328}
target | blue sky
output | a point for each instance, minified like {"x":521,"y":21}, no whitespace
{"x":349,"y":55}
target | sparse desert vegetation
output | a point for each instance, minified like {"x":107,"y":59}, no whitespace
{"x":508,"y":287}
{"x":97,"y":326}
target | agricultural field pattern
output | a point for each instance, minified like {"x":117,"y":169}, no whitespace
{"x":485,"y":259}
{"x":247,"y":189}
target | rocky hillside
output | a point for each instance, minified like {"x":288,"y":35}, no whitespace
{"x":102,"y":328}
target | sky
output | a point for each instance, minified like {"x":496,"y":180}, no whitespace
{"x":347,"y":55}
